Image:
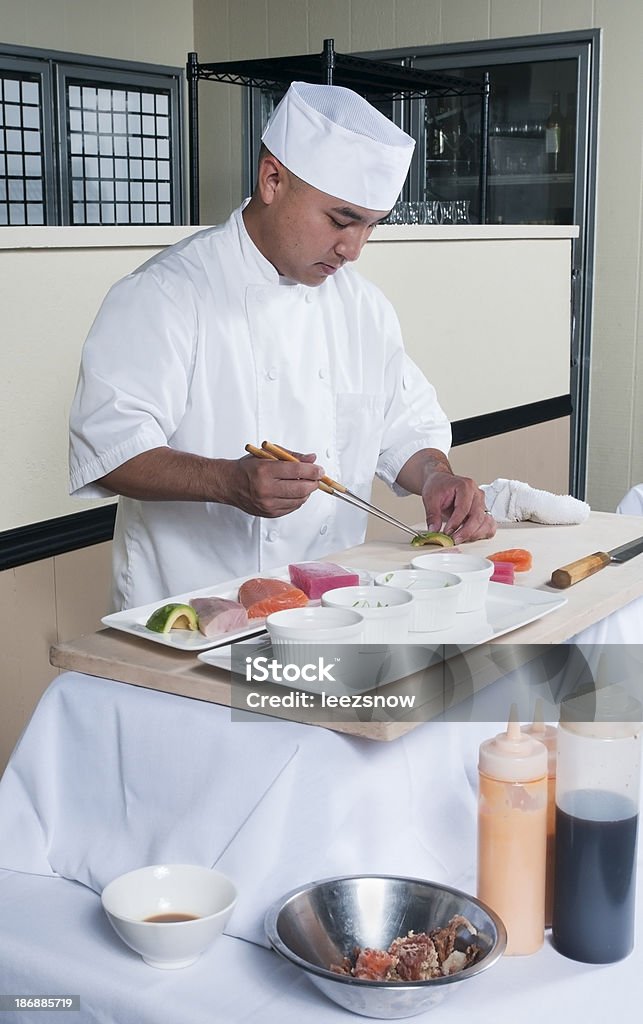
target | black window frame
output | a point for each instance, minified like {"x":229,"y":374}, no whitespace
{"x":54,"y":70}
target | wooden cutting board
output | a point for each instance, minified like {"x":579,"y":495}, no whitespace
{"x":113,"y":655}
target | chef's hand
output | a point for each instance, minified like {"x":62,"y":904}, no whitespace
{"x":453,"y":504}
{"x":456,"y":505}
{"x":270,"y":489}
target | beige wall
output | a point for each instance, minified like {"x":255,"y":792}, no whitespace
{"x":68,"y":270}
{"x":156,"y":31}
{"x":40,"y":604}
{"x":250,"y":28}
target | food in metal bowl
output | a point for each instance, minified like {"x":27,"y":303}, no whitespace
{"x":315,"y":925}
{"x":414,"y":956}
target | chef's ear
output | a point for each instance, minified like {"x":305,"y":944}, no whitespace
{"x":271,"y":175}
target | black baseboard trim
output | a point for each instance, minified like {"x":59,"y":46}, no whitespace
{"x":69,"y":533}
{"x":495,"y":423}
{"x":56,"y":536}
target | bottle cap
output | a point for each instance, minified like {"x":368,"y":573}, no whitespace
{"x":514,"y":755}
{"x":607,"y":712}
{"x":547,"y":734}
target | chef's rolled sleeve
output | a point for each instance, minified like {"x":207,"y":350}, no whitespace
{"x":134,"y":380}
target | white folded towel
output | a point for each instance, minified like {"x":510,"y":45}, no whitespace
{"x":512,"y":501}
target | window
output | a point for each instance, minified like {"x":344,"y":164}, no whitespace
{"x":23,"y":146}
{"x":88,"y":141}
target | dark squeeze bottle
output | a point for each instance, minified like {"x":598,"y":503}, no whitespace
{"x":597,"y":806}
{"x":595,"y":876}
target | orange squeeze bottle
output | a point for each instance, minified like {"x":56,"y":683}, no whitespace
{"x":547,"y":734}
{"x":512,"y":834}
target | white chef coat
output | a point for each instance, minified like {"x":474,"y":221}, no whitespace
{"x":205,"y":348}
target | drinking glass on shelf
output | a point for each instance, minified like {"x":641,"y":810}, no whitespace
{"x":410,"y":213}
{"x":447,"y":209}
{"x":461,"y":211}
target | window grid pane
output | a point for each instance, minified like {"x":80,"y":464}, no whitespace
{"x":22,"y":169}
{"x":120,"y":170}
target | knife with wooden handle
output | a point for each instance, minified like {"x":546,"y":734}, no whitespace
{"x":579,"y":570}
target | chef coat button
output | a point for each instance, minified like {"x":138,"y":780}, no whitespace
{"x":328,"y":453}
{"x":272,"y":374}
{"x":310,"y":297}
{"x":323,"y":529}
{"x":323,"y":373}
{"x":272,"y":535}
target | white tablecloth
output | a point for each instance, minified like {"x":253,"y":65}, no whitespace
{"x":107,"y":777}
{"x":54,"y":939}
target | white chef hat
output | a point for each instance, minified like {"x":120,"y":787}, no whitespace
{"x":334,"y":140}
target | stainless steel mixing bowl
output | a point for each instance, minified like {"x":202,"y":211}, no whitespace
{"x":318,"y":924}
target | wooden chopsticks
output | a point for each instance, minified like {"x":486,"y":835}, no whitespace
{"x":328,"y":485}
{"x":265,"y":453}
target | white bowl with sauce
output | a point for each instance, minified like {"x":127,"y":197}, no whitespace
{"x":474,"y":571}
{"x":169,"y":913}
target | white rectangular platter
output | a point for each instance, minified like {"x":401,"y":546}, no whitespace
{"x":507,"y":608}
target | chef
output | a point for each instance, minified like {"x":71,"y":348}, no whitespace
{"x":258,"y":329}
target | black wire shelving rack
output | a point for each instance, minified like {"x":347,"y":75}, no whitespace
{"x":370,"y":78}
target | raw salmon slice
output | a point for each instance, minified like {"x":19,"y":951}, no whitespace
{"x":521,"y":559}
{"x":261,"y":597}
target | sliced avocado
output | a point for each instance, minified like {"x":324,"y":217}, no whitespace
{"x":441,"y":540}
{"x":173,"y":616}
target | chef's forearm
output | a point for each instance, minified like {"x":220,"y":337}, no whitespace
{"x":163,"y":474}
{"x":416,"y":472}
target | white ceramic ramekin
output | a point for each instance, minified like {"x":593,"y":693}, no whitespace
{"x":436,"y":596}
{"x":474,"y":571}
{"x":386,"y":618}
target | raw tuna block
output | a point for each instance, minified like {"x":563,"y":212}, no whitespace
{"x":218,"y":615}
{"x":503,"y":572}
{"x":315,"y":578}
{"x":260,"y":597}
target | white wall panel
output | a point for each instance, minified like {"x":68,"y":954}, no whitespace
{"x":487,"y":320}
{"x":49,"y":297}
